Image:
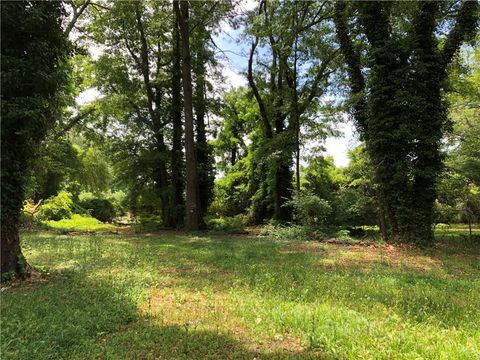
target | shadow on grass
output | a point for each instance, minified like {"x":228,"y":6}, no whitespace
{"x":149,"y":341}
{"x":74,"y":317}
{"x":61,"y":318}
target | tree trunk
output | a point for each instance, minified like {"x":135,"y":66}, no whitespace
{"x":177,"y":163}
{"x":12,"y":259}
{"x":162,"y":180}
{"x":283,"y":162}
{"x":383,"y":224}
{"x":203,"y":151}
{"x":193,"y":216}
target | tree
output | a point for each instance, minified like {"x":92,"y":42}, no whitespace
{"x":193,"y":206}
{"x":396,"y":96}
{"x":294,"y":59}
{"x":201,"y":55}
{"x":34,"y":51}
{"x":135,"y":77}
{"x":177,"y":160}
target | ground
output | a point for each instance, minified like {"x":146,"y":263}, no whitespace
{"x":176,"y":296}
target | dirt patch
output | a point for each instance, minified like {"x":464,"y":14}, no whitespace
{"x":365,"y":256}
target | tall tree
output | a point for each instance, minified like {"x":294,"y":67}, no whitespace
{"x":194,"y":219}
{"x":135,"y":77}
{"x":399,"y":107}
{"x":34,"y":50}
{"x":203,"y":149}
{"x":295,"y":58}
{"x":177,"y":174}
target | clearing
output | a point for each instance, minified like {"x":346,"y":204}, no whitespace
{"x":176,"y":296}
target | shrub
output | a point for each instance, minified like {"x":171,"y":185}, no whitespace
{"x":228,"y":224}
{"x":147,"y":222}
{"x":309,"y":209}
{"x":57,"y":207}
{"x":293,"y":232}
{"x":100,"y":209}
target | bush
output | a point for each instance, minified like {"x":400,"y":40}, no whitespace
{"x":57,"y":208}
{"x":309,"y":209}
{"x":100,"y":209}
{"x":147,"y":222}
{"x":293,"y":232}
{"x":228,"y":224}
{"x":232,"y":195}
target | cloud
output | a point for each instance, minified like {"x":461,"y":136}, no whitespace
{"x":233,"y":78}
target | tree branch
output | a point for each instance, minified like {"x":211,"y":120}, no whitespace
{"x":466,"y":25}
{"x":77,"y":12}
{"x":256,"y":93}
{"x":352,"y":59}
{"x":73,"y":121}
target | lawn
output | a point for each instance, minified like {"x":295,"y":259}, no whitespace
{"x":176,"y":296}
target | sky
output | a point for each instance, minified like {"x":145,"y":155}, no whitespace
{"x":232,"y":51}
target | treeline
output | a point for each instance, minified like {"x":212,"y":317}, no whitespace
{"x":161,"y":128}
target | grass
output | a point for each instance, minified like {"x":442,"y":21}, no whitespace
{"x":173,"y":296}
{"x":79,"y":223}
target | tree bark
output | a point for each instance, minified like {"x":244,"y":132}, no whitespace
{"x":177,"y":164}
{"x":203,"y":151}
{"x":193,"y":216}
{"x":12,"y":259}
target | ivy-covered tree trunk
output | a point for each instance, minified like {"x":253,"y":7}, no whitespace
{"x":203,"y":150}
{"x":12,"y":259}
{"x":33,"y":52}
{"x":177,"y":163}
{"x":399,"y":108}
{"x":282,"y":190}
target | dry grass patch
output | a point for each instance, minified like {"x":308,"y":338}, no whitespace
{"x":392,"y":255}
{"x":213,"y":312}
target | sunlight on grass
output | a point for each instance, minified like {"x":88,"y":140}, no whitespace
{"x":179,"y":297}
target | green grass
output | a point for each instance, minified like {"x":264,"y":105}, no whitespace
{"x":79,"y":223}
{"x":173,"y":296}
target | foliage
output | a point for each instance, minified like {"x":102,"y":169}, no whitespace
{"x":232,"y":195}
{"x":147,"y":222}
{"x":458,"y":188}
{"x":397,"y":81}
{"x":293,"y":232}
{"x":310,"y":209}
{"x":78,"y":222}
{"x":34,"y":87}
{"x":57,"y":207}
{"x":226,"y":224}
{"x":101,"y":209}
